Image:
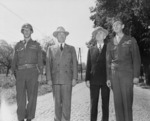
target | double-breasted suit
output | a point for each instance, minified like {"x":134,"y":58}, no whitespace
{"x":123,"y":65}
{"x":61,"y":69}
{"x":96,"y":74}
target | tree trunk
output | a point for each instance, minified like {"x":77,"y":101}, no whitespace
{"x":148,"y":76}
{"x":7,"y":72}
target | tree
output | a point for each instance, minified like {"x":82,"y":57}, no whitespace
{"x":134,"y":13}
{"x":46,"y":42}
{"x":136,"y":17}
{"x":6,"y":52}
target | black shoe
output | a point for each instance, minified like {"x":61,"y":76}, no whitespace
{"x":28,"y":119}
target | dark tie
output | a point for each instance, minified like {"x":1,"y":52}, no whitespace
{"x":61,"y":47}
{"x":100,"y":48}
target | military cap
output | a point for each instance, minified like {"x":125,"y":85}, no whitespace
{"x":26,"y":26}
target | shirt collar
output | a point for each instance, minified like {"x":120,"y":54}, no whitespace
{"x":100,"y":45}
{"x":24,"y":41}
{"x":63,"y":44}
{"x":118,"y":38}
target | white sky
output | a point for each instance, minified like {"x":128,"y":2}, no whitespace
{"x":46,"y":16}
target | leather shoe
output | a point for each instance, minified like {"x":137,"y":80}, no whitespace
{"x":28,"y":119}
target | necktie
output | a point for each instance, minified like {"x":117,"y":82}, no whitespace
{"x":100,"y":48}
{"x":61,"y":47}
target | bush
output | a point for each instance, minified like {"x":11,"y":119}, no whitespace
{"x":9,"y":94}
{"x":8,"y":88}
{"x":6,"y":82}
{"x":44,"y":89}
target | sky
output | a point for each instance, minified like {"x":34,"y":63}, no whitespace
{"x":45,"y":16}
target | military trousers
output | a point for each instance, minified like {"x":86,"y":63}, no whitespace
{"x":26,"y":89}
{"x":62,"y":102}
{"x":122,"y":86}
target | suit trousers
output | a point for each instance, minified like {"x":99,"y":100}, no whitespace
{"x":62,"y":101}
{"x":26,"y":85}
{"x":94,"y":95}
{"x":122,"y":86}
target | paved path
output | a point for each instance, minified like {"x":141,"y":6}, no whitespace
{"x":81,"y":105}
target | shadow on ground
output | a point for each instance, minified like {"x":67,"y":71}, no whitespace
{"x":144,"y":86}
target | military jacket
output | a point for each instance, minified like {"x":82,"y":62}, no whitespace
{"x":123,"y":56}
{"x":27,"y":53}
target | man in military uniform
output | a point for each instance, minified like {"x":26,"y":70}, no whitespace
{"x":28,"y":65}
{"x":123,"y":69}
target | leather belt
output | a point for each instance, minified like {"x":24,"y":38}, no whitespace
{"x":27,"y":66}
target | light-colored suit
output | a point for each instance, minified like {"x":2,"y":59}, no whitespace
{"x":61,"y":69}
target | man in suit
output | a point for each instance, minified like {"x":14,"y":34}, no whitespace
{"x":61,"y":71}
{"x":123,"y":69}
{"x":27,"y":66}
{"x":96,"y":75}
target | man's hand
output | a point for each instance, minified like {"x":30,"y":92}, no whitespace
{"x":88,"y":83}
{"x":40,"y":78}
{"x":49,"y":82}
{"x":74,"y":82}
{"x":136,"y":80}
{"x":108,"y":83}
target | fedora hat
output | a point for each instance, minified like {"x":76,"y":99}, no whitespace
{"x":99,"y":29}
{"x":60,"y":29}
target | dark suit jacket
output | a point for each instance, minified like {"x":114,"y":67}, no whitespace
{"x":124,"y":56}
{"x":61,"y":67}
{"x":96,"y":66}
